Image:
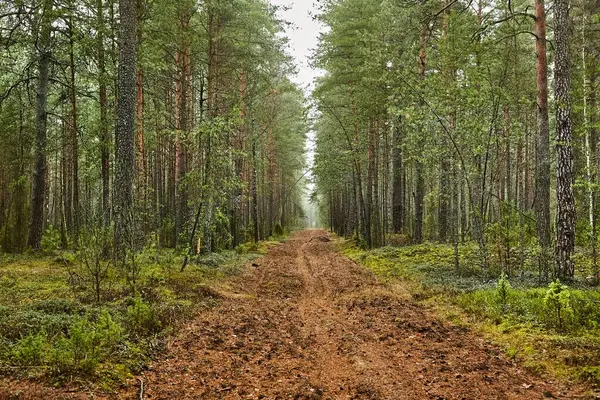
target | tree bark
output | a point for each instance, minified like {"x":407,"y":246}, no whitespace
{"x":565,"y":213}
{"x":125,"y":132}
{"x":183,"y":116}
{"x":589,"y":123}
{"x":104,"y":132}
{"x":419,"y":167}
{"x":254,"y":193}
{"x":74,"y":139}
{"x":38,"y":192}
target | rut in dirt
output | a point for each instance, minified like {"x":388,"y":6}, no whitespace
{"x":307,"y":323}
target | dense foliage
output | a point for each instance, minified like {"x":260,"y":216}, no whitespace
{"x":436,"y":123}
{"x":209,"y":128}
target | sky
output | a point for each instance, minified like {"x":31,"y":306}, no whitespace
{"x":304,"y":36}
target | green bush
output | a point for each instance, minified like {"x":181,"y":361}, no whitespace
{"x":586,"y":310}
{"x":16,"y":324}
{"x":527,"y":305}
{"x":503,"y":290}
{"x":590,"y":374}
{"x":87,"y":345}
{"x":481,"y":303}
{"x":44,"y":329}
{"x":30,"y":350}
{"x":141,"y":318}
{"x":558,"y":304}
{"x":51,"y":240}
{"x":57,"y":306}
{"x":248,"y":247}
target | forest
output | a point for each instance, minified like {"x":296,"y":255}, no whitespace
{"x":163,"y":163}
{"x":179,"y":121}
{"x":460,"y":122}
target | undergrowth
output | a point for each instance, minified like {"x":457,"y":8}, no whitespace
{"x":68,"y":320}
{"x":550,"y":327}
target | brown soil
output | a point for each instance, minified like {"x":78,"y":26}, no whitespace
{"x":307,"y":323}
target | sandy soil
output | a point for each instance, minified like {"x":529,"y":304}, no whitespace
{"x":307,"y":323}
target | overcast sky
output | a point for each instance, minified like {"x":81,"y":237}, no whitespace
{"x":303,"y":35}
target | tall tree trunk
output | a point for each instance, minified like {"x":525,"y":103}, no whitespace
{"x":238,"y":193}
{"x":377,"y":239}
{"x":254,"y":193}
{"x":508,"y":190}
{"x":594,"y":149}
{"x":212,"y":88}
{"x":419,"y":167}
{"x":38,"y":192}
{"x":183,"y":129}
{"x":104,"y":131}
{"x":125,"y":132}
{"x":565,"y":213}
{"x":362,"y":207}
{"x":142,"y":163}
{"x":444,"y":197}
{"x":445,"y":180}
{"x":74,"y":138}
{"x":370,"y":185}
{"x":542,"y":177}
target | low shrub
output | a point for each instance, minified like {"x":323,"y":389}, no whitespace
{"x":503,"y":291}
{"x":87,"y":344}
{"x":553,"y":327}
{"x":30,"y":350}
{"x":141,"y":318}
{"x":16,"y":324}
{"x":53,"y":322}
{"x":558,"y":304}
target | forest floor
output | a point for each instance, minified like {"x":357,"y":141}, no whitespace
{"x":305,"y":322}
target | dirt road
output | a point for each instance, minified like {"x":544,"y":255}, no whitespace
{"x":310,"y":324}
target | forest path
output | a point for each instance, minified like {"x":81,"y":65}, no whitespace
{"x":307,"y":323}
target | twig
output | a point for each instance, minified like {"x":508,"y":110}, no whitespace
{"x":141,"y":388}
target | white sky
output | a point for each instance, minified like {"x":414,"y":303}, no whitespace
{"x":303,"y":35}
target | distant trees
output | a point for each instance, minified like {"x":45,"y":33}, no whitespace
{"x":438,"y":103}
{"x":142,"y":115}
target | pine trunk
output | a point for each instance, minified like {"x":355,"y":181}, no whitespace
{"x":565,"y":213}
{"x":125,"y":132}
{"x":38,"y":192}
